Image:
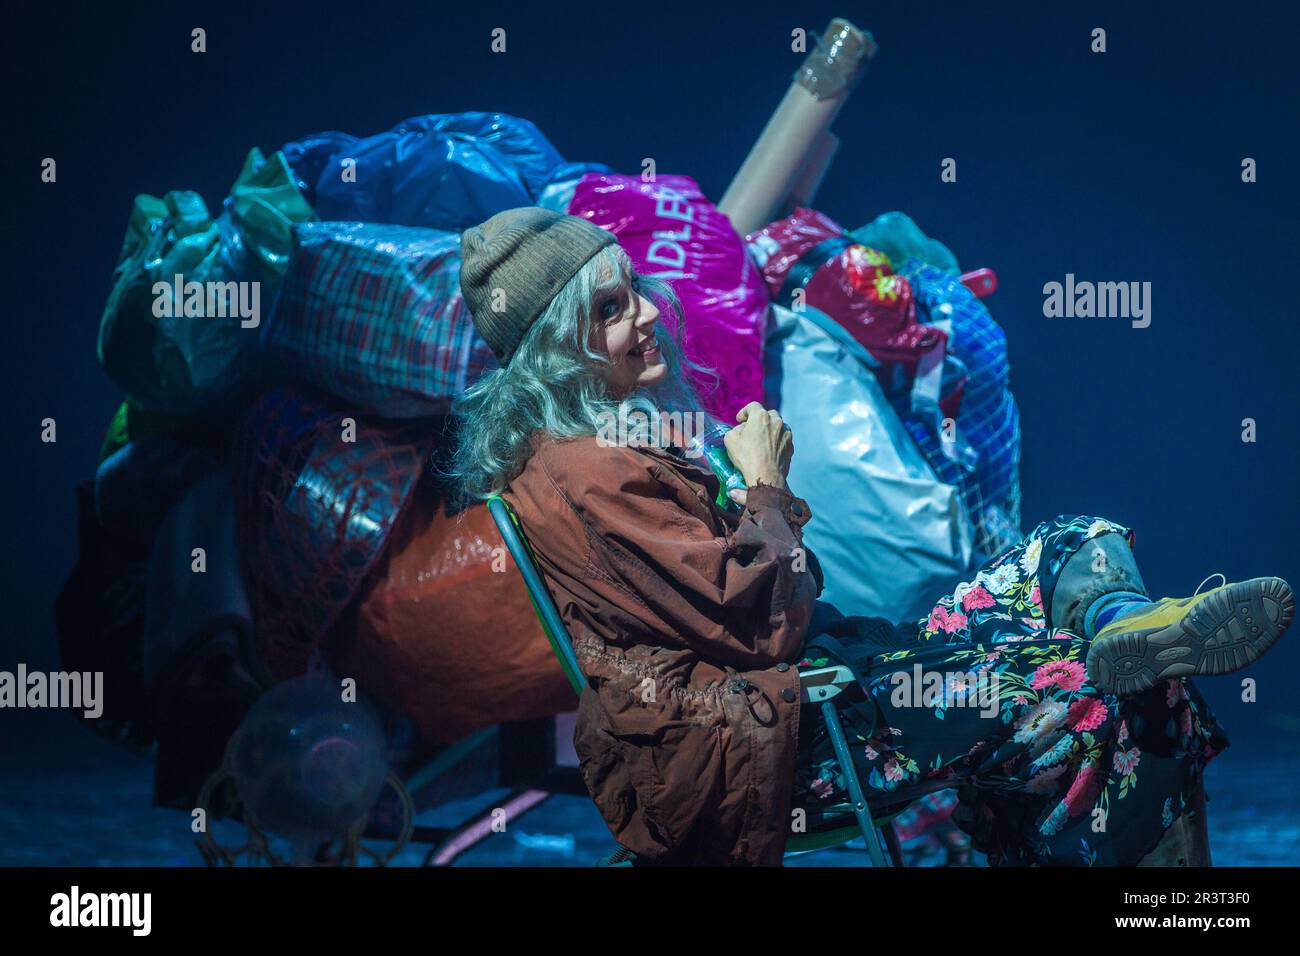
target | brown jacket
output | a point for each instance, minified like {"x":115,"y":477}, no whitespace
{"x":687,"y":622}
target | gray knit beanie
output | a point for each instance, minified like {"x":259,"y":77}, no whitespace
{"x":528,"y":254}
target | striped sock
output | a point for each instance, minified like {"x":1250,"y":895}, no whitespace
{"x":1110,"y":606}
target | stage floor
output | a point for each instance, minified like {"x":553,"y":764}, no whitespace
{"x":76,"y":800}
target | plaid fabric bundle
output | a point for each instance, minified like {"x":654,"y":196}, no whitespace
{"x":373,"y":315}
{"x":988,"y":419}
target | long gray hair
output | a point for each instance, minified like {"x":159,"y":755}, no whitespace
{"x":557,"y":382}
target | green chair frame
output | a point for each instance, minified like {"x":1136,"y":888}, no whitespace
{"x":845,"y":822}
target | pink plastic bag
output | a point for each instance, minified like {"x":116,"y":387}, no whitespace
{"x":672,"y":232}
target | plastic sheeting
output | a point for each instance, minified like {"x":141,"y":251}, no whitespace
{"x":132,"y":421}
{"x":671,"y":231}
{"x":319,"y":492}
{"x":988,"y":420}
{"x":807,"y":259}
{"x":558,"y":195}
{"x":186,"y":608}
{"x":373,"y":314}
{"x":444,"y":632}
{"x":191,"y":360}
{"x":897,"y":236}
{"x":889,"y":535}
{"x":439,"y":171}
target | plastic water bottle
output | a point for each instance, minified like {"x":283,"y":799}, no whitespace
{"x":709,"y":444}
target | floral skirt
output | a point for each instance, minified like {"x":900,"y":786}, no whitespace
{"x":984,"y":695}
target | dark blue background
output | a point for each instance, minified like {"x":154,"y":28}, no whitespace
{"x":1122,"y":166}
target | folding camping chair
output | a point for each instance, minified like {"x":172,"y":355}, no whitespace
{"x":838,"y":824}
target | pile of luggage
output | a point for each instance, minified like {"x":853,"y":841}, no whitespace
{"x":269,"y":476}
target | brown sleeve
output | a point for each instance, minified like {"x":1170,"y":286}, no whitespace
{"x":742,"y":598}
{"x":762,"y":499}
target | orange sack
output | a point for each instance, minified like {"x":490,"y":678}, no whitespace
{"x":440,"y":637}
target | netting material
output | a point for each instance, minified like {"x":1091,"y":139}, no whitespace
{"x":315,"y":513}
{"x":988,"y":419}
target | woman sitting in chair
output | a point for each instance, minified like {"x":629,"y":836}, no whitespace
{"x":1051,"y":691}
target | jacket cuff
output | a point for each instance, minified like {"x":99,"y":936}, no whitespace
{"x":795,"y":510}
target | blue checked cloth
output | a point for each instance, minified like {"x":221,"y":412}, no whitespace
{"x":988,"y":420}
{"x":373,"y":314}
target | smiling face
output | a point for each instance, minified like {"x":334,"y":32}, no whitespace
{"x":624,"y":327}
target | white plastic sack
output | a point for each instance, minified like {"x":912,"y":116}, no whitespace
{"x":890,"y":536}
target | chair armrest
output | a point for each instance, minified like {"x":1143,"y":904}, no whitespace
{"x":820,"y":685}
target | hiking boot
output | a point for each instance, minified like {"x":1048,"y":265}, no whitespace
{"x":1220,"y":631}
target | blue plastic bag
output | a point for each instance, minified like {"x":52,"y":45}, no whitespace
{"x":439,"y":171}
{"x":988,"y":418}
{"x":307,"y":157}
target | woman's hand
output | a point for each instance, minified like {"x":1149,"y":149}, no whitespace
{"x":760,"y":446}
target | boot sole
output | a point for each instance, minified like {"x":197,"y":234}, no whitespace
{"x":1227,"y":631}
